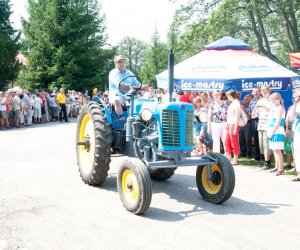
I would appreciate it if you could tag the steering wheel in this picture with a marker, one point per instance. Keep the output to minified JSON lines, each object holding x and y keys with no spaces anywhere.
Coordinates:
{"x":122,"y":83}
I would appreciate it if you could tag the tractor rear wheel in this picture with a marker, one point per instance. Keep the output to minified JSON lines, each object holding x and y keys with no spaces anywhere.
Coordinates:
{"x":93,"y":144}
{"x":134,"y":185}
{"x":161,"y":174}
{"x":221,"y":186}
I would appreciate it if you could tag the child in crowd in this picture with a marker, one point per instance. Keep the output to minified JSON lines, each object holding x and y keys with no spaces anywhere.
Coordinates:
{"x":275,"y":131}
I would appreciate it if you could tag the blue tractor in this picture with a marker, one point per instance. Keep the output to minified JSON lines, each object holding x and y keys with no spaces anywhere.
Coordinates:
{"x":155,"y":139}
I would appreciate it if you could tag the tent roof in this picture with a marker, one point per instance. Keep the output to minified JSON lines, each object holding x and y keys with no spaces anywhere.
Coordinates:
{"x":227,"y":65}
{"x":226,"y":69}
{"x":228,"y":42}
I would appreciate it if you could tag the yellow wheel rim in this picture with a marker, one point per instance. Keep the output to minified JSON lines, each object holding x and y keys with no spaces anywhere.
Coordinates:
{"x":86,"y":155}
{"x":130,"y":186}
{"x":208,"y":185}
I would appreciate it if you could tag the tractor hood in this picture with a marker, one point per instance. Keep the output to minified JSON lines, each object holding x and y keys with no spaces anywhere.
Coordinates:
{"x":157,"y":107}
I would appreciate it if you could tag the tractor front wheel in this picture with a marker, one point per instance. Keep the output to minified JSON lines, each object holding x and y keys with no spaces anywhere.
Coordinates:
{"x":134,"y":185}
{"x":219,"y":187}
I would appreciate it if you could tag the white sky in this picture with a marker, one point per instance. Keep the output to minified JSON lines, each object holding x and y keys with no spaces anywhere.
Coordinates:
{"x":133,"y":18}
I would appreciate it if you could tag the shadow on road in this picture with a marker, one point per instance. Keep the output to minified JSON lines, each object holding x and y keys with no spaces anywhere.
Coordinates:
{"x":183,"y":189}
{"x":110,"y":183}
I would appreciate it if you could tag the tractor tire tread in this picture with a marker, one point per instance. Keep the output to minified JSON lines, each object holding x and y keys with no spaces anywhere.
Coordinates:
{"x":103,"y":142}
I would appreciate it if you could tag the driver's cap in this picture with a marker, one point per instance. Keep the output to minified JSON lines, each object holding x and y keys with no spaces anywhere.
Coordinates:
{"x":119,"y":58}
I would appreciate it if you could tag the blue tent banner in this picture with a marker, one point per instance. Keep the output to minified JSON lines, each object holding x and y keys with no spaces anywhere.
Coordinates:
{"x":296,"y":83}
{"x":237,"y":84}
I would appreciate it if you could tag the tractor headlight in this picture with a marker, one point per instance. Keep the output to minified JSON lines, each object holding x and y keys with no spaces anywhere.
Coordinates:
{"x":146,"y":115}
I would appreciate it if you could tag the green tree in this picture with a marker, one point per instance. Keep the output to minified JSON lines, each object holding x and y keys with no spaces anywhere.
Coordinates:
{"x":64,"y":43}
{"x":271,"y":27}
{"x":133,"y":50}
{"x":155,"y":60}
{"x":9,"y":46}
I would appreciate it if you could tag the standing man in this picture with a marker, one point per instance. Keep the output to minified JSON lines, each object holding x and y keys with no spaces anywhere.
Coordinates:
{"x":37,"y":104}
{"x":261,"y":110}
{"x":116,"y":97}
{"x":17,"y":108}
{"x":254,"y":122}
{"x":245,"y":132}
{"x":61,"y":99}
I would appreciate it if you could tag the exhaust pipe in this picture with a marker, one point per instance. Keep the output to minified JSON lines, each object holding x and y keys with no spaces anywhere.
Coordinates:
{"x":171,"y":74}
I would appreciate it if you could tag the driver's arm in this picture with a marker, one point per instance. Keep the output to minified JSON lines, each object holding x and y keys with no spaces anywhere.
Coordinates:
{"x":136,"y":84}
{"x":114,"y":80}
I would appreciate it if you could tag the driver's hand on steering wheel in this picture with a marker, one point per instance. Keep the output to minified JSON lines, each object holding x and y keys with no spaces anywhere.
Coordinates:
{"x":125,"y":87}
{"x":136,"y":88}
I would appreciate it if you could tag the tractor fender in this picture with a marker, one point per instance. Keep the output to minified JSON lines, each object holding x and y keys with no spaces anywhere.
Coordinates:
{"x":98,"y":100}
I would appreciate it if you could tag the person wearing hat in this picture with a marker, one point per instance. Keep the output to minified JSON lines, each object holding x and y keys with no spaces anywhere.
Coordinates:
{"x":95,"y":90}
{"x":116,"y":75}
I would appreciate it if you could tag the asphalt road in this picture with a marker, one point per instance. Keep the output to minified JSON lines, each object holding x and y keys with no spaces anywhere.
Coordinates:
{"x":45,"y":205}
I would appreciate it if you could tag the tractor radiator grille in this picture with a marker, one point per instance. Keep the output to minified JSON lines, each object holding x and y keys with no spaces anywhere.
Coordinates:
{"x":189,"y":128}
{"x":170,"y":128}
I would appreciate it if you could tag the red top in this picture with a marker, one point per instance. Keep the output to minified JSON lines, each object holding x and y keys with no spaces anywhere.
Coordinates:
{"x":43,"y":98}
{"x":7,"y":104}
{"x":185,"y":98}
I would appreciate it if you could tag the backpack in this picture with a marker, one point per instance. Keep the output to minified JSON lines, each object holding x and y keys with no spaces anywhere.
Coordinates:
{"x":243,"y":118}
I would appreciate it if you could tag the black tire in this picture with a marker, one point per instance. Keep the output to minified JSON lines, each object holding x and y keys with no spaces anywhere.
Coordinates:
{"x":221,"y":189}
{"x":134,"y":185}
{"x":93,"y":163}
{"x":161,"y":174}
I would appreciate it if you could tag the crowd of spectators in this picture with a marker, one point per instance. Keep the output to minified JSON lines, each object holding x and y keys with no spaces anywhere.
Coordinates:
{"x":19,"y":108}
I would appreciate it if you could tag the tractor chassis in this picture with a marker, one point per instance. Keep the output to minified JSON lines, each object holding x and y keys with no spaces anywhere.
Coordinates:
{"x":195,"y":161}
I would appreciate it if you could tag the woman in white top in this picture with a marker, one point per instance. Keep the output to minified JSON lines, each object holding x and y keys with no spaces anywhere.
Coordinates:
{"x":217,"y":118}
{"x":233,"y":128}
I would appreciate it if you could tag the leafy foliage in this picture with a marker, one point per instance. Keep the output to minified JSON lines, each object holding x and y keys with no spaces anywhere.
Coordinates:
{"x":155,"y":60}
{"x":9,"y":38}
{"x":64,"y":43}
{"x":271,"y":27}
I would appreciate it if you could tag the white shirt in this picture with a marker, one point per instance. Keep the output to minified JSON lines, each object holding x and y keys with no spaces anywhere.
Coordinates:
{"x":2,"y":104}
{"x":231,"y":113}
{"x":115,"y":77}
{"x":37,"y":103}
{"x":17,"y":101}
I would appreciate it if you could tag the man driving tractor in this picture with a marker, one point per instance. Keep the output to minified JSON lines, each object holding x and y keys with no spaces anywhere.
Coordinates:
{"x":116,"y":97}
